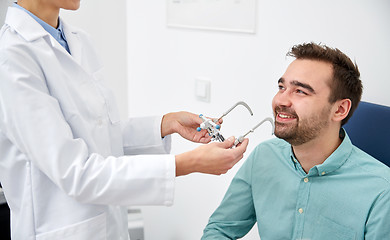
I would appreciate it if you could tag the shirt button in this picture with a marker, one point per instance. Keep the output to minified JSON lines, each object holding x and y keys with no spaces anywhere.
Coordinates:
{"x":323,"y":173}
{"x":300,"y":210}
{"x":306,"y":179}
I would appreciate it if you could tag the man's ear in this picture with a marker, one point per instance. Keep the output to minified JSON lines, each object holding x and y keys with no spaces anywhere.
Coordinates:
{"x":341,"y":109}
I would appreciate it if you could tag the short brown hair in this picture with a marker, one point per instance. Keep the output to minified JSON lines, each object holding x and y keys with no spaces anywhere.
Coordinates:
{"x":346,"y":82}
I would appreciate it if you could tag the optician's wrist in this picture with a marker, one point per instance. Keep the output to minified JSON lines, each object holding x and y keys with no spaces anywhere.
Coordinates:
{"x":185,"y":163}
{"x":167,"y":124}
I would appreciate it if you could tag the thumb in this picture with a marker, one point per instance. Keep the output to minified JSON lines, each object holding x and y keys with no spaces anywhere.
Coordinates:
{"x":228,"y":143}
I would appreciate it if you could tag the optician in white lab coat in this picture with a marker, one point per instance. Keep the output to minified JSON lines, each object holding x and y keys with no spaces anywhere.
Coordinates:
{"x":68,"y":166}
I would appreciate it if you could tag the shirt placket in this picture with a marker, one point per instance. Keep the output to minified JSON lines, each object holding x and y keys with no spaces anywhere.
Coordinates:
{"x":301,"y":207}
{"x":302,"y":203}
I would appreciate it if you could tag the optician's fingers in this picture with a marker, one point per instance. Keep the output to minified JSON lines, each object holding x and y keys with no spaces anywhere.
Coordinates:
{"x":241,"y":147}
{"x":205,"y":138}
{"x":228,"y":143}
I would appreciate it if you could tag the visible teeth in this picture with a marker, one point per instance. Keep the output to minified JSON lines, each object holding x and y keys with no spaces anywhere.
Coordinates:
{"x":284,"y":116}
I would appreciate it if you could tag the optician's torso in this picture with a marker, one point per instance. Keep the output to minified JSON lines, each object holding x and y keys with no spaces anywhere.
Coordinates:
{"x":62,"y":98}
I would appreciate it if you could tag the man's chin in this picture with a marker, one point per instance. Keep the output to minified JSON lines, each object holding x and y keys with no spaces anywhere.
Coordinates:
{"x":288,"y":137}
{"x":283,"y":131}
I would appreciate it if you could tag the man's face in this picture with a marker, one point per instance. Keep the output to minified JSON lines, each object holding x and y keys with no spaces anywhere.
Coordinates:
{"x":301,"y":107}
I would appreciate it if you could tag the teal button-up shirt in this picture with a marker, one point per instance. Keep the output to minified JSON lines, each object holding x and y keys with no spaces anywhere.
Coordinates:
{"x":346,"y":197}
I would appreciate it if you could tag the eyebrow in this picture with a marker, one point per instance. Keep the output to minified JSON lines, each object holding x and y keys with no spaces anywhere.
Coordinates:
{"x":299,"y":84}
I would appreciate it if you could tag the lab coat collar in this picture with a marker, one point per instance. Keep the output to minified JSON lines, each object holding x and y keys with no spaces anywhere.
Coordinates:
{"x":24,"y":24}
{"x":31,"y":30}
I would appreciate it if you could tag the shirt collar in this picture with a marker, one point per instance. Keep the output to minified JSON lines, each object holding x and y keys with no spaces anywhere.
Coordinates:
{"x":333,"y":162}
{"x":60,"y":28}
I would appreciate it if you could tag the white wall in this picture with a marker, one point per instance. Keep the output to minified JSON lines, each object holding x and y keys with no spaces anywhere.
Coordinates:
{"x":3,"y":9}
{"x":163,"y":63}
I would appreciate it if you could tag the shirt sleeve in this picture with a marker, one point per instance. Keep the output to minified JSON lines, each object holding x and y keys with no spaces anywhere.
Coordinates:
{"x":378,"y":223}
{"x":235,"y":216}
{"x":143,"y":136}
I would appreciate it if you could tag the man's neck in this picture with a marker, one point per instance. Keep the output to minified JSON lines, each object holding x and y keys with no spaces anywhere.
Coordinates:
{"x":316,"y":151}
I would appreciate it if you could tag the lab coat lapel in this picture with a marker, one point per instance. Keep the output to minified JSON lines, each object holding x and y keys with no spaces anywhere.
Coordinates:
{"x":74,"y":43}
{"x":78,"y":46}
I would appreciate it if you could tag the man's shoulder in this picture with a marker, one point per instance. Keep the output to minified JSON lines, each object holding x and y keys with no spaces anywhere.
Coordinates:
{"x":369,"y":166}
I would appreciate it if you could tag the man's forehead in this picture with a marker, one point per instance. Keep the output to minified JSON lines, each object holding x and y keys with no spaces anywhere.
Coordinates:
{"x":310,"y":72}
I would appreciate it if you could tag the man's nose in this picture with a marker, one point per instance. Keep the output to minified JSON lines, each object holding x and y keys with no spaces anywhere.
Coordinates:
{"x":283,"y":99}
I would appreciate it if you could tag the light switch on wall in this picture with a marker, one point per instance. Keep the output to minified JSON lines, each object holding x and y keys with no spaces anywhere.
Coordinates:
{"x":202,"y":90}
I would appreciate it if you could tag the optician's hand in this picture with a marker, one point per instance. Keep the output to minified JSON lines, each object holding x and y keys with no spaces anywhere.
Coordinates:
{"x":185,"y":124}
{"x":214,"y":158}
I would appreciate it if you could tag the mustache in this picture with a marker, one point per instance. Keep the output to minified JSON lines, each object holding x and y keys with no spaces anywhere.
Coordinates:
{"x":286,"y":110}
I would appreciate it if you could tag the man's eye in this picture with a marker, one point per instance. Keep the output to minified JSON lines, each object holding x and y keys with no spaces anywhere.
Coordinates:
{"x":280,"y":87}
{"x":301,"y":92}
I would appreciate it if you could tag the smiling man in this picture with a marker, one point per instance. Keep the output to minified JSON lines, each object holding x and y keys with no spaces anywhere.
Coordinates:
{"x":310,"y":182}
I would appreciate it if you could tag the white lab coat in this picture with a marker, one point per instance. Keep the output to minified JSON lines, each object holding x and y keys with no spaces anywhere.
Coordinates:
{"x":62,"y":144}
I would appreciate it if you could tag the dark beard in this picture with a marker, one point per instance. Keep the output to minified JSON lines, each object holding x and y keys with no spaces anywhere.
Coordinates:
{"x":304,"y":130}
